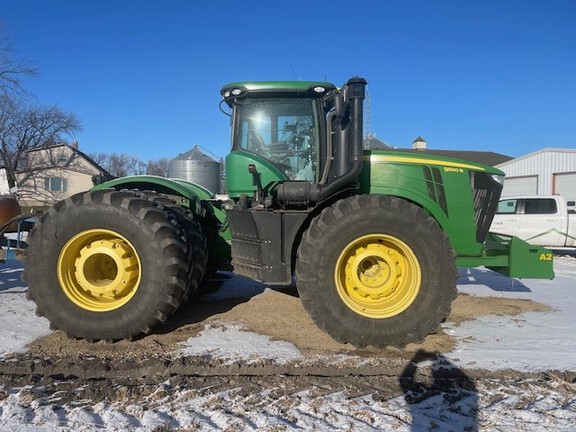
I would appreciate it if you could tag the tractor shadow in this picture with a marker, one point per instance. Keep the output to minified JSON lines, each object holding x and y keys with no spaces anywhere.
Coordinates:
{"x":493,"y":280}
{"x":216,"y":297}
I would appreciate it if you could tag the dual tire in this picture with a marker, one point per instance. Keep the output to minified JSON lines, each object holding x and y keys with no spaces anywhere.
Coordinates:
{"x":112,"y":264}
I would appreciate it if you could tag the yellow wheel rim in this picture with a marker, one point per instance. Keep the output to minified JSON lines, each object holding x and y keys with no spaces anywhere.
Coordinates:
{"x":99,"y":270}
{"x":378,"y":276}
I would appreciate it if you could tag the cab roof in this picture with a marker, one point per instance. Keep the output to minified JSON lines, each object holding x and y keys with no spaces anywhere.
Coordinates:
{"x":297,"y":88}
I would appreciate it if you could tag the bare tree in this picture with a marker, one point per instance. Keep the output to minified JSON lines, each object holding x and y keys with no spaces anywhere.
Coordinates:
{"x":24,"y":129}
{"x":13,"y":70}
{"x":136,"y":166}
{"x":158,"y":167}
{"x":119,"y":164}
{"x":100,"y":158}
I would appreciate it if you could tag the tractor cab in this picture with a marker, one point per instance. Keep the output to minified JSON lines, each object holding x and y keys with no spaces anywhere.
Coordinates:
{"x":284,"y":140}
{"x":283,"y":132}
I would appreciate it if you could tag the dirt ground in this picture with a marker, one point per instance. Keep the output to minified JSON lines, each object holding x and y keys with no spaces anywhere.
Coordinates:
{"x":275,"y":313}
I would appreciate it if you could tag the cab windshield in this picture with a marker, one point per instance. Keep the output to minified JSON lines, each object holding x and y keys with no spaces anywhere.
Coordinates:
{"x":284,"y":131}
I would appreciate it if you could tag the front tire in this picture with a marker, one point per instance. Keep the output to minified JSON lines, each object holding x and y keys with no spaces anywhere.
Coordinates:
{"x":107,"y":265}
{"x":385,"y":276}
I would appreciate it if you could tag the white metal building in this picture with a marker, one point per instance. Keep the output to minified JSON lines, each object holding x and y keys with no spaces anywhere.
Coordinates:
{"x":544,"y":172}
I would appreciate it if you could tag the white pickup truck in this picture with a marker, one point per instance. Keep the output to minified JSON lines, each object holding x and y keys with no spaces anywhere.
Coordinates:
{"x":541,"y":220}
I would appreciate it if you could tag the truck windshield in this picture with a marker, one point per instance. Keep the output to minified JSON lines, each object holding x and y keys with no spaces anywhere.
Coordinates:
{"x":282,"y":130}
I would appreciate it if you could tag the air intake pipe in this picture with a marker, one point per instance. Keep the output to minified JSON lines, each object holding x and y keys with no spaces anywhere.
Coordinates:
{"x":350,"y":153}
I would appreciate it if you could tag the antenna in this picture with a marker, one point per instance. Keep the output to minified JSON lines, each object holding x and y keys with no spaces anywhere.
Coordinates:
{"x":367,"y":115}
{"x":292,"y":69}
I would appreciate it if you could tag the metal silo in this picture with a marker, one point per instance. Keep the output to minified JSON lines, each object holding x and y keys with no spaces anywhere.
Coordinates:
{"x":196,"y":167}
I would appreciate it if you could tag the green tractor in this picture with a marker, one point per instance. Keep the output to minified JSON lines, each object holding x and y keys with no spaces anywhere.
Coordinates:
{"x":372,"y":238}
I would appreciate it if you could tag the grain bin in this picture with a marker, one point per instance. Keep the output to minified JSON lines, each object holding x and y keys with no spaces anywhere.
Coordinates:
{"x":196,"y":167}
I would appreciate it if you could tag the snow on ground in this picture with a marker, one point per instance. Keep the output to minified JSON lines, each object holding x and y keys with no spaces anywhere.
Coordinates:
{"x":18,"y":323}
{"x":492,"y":406}
{"x":530,"y":342}
{"x":232,"y":343}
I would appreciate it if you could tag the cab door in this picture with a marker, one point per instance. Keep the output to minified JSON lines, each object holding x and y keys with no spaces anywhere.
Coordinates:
{"x":541,"y":224}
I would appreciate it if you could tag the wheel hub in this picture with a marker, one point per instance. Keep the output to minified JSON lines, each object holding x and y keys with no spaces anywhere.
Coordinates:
{"x":371,"y":271}
{"x":377,"y":276}
{"x":106,"y":268}
{"x":99,"y":270}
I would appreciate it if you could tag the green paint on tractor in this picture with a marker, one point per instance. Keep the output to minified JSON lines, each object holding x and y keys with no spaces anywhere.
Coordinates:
{"x":373,"y":239}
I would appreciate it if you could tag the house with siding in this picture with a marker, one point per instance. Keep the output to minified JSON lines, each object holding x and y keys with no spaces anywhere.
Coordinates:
{"x":54,"y":173}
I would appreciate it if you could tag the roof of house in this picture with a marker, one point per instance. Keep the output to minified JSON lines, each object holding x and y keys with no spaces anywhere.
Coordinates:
{"x":77,"y":152}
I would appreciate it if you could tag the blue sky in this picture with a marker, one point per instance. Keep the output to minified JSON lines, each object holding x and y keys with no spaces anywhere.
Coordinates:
{"x":144,"y":76}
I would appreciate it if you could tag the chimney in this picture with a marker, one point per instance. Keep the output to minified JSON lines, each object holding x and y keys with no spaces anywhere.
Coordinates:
{"x":75,"y":144}
{"x":419,"y":144}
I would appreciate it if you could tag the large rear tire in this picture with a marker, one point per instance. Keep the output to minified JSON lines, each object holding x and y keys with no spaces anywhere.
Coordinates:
{"x":385,"y":276}
{"x":107,"y":265}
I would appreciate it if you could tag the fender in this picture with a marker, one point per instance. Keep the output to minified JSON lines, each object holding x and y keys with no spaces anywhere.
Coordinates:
{"x":193,"y":193}
{"x":199,"y":199}
{"x":170,"y":186}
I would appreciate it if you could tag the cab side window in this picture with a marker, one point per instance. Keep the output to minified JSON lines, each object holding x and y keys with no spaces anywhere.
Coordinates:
{"x":540,"y":206}
{"x":507,"y":206}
